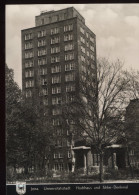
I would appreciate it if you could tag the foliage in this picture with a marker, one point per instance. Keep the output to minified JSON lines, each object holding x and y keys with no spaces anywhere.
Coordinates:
{"x":98,"y":111}
{"x":28,"y":134}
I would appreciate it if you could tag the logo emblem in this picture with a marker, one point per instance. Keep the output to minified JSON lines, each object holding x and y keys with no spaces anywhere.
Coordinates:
{"x":21,"y":187}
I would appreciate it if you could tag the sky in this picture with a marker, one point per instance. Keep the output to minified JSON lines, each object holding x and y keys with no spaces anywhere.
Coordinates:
{"x":116,"y":27}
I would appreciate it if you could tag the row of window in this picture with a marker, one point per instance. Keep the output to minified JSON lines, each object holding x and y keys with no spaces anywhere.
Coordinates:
{"x":58,"y":167}
{"x":43,"y":92}
{"x":55,"y":30}
{"x":55,"y":79}
{"x":87,"y":35}
{"x":60,"y":155}
{"x":54,"y":59}
{"x":41,"y":52}
{"x":58,"y":122}
{"x":87,"y":43}
{"x":53,"y":40}
{"x":54,"y":69}
{"x":87,"y":52}
{"x":58,"y":100}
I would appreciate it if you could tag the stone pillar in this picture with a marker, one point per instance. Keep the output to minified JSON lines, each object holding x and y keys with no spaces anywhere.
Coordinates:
{"x":84,"y":162}
{"x":73,"y":160}
{"x":114,"y":164}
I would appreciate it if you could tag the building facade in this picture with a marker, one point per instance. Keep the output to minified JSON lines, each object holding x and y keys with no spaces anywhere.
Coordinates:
{"x":132,"y":127}
{"x":55,"y":54}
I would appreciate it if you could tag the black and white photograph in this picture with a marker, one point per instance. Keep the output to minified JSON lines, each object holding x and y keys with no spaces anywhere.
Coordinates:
{"x":72,"y":97}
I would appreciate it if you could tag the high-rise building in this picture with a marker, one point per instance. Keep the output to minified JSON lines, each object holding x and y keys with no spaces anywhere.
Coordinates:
{"x":55,"y":54}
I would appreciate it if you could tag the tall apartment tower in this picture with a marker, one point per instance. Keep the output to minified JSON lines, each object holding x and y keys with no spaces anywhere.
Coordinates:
{"x":55,"y":54}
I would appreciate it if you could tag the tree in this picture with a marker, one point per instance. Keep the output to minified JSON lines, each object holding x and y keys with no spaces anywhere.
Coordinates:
{"x":13,"y":97}
{"x":98,"y":111}
{"x":28,"y":132}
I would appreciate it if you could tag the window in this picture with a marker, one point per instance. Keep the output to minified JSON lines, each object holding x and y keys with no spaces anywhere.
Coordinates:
{"x":56,"y":100}
{"x":92,"y":39}
{"x":29,"y":55}
{"x":28,"y":93}
{"x":56,"y":111}
{"x":92,"y":57}
{"x":92,"y":48}
{"x":68,"y":132}
{"x":82,"y":30}
{"x":56,"y":155}
{"x":56,"y":122}
{"x":61,"y":154}
{"x":42,"y":21}
{"x":96,"y":159}
{"x":29,"y":45}
{"x":29,"y":83}
{"x":69,"y":46}
{"x":29,"y":64}
{"x":56,"y":166}
{"x":28,"y":36}
{"x":42,"y":71}
{"x":42,"y":52}
{"x":42,"y":61}
{"x":82,"y":58}
{"x":55,"y":40}
{"x":56,"y":79}
{"x":56,"y":90}
{"x":68,"y":142}
{"x":82,"y":40}
{"x":70,"y":87}
{"x":41,"y":33}
{"x":83,"y":49}
{"x":29,"y":73}
{"x":93,"y":66}
{"x":87,"y":53}
{"x":59,"y":132}
{"x":43,"y":92}
{"x":83,"y":78}
{"x":56,"y":69}
{"x":88,"y":62}
{"x":69,"y":56}
{"x":59,"y":143}
{"x":87,"y":35}
{"x":131,"y":152}
{"x":68,"y":37}
{"x":70,"y":77}
{"x":70,"y":66}
{"x":55,"y":50}
{"x":45,"y":102}
{"x":83,"y":68}
{"x":41,"y":43}
{"x":70,"y":98}
{"x":43,"y":81}
{"x":54,"y":31}
{"x":87,"y":44}
{"x":55,"y":59}
{"x":68,"y":27}
{"x":69,"y":154}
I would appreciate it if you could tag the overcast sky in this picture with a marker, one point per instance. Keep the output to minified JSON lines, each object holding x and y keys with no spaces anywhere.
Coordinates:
{"x":116,"y":27}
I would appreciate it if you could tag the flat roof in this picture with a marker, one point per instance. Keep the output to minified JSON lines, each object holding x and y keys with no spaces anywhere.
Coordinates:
{"x":81,"y":147}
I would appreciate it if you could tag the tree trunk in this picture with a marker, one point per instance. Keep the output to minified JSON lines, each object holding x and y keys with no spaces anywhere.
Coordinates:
{"x":101,"y":175}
